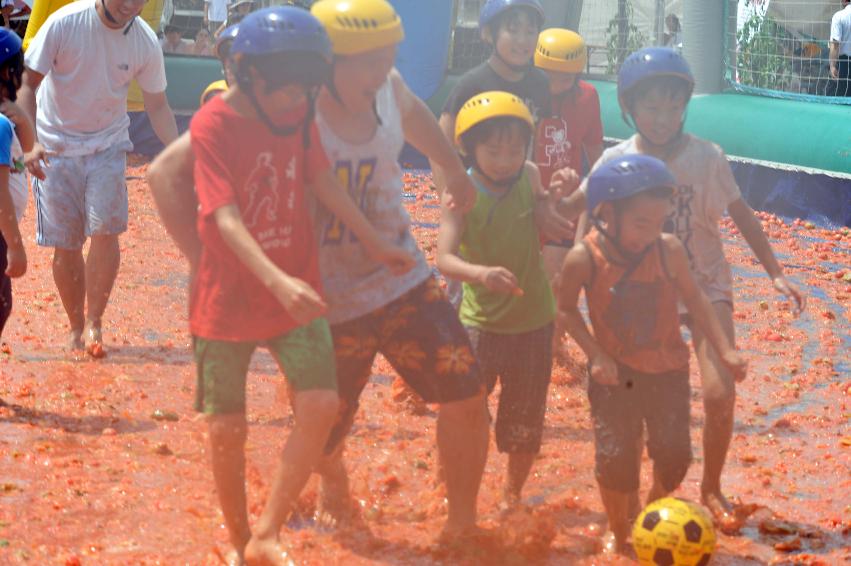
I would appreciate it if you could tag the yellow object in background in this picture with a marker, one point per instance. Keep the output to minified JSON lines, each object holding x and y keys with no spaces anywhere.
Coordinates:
{"x":41,"y":10}
{"x":151,"y":13}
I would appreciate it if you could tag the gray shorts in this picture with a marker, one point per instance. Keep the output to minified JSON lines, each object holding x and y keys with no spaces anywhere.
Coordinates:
{"x":82,"y":196}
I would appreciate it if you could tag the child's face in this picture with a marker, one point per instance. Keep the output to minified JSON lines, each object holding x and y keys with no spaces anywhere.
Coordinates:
{"x":502,"y":155}
{"x":280,"y":101}
{"x":202,"y":37}
{"x":358,"y":77}
{"x":560,"y":82}
{"x":659,"y":115}
{"x":516,"y":38}
{"x":640,"y":223}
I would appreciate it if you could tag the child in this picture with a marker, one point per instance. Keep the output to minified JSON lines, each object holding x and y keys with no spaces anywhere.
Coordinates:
{"x":633,"y":275}
{"x":507,"y":307}
{"x":13,"y":191}
{"x":654,"y":88}
{"x":364,"y":116}
{"x":571,"y":137}
{"x":257,"y":275}
{"x":223,"y":43}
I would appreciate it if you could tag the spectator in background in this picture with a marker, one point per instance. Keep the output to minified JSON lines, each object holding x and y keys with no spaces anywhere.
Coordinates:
{"x":674,"y":35}
{"x":202,"y":47}
{"x":173,"y":42}
{"x":840,"y":52}
{"x":6,"y":9}
{"x":237,"y":10}
{"x":215,"y":14}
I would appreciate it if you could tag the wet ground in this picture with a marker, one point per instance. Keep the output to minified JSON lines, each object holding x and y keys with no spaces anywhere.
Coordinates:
{"x":104,"y":462}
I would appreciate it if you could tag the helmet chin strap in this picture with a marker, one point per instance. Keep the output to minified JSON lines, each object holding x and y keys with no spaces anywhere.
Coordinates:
{"x":111,"y":19}
{"x":659,"y":149}
{"x":332,"y":88}
{"x":285,"y":131}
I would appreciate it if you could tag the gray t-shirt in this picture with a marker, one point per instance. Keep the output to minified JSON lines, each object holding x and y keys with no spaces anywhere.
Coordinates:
{"x":705,"y":187}
{"x":354,"y":284}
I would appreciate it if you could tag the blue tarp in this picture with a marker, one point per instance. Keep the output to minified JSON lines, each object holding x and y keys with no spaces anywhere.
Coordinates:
{"x":422,"y":57}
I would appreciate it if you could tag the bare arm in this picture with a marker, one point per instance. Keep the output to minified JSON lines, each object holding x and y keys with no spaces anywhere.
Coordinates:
{"x":170,"y":177}
{"x":27,"y":101}
{"x":834,"y":58}
{"x":700,"y":308}
{"x":160,"y":115}
{"x":751,"y":230}
{"x":23,"y":125}
{"x":574,"y":276}
{"x":446,"y":123}
{"x":337,"y":200}
{"x":15,"y":254}
{"x":593,"y":152}
{"x":425,"y":134}
{"x":300,"y":299}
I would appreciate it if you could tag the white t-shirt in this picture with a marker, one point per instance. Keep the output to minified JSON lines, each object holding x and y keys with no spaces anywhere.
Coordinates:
{"x":840,"y":30}
{"x":217,"y":10}
{"x":705,"y":187}
{"x":82,"y":101}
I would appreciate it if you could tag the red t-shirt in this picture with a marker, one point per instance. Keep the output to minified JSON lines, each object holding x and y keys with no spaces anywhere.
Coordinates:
{"x":575,"y":123}
{"x":239,"y":161}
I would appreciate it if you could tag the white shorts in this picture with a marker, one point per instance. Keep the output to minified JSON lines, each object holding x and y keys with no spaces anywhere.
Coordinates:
{"x":82,"y":196}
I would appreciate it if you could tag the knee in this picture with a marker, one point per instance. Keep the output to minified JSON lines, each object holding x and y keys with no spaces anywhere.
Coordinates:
{"x":468,"y":412}
{"x":671,"y":466}
{"x":317,"y":408}
{"x":227,"y":430}
{"x":719,"y":400}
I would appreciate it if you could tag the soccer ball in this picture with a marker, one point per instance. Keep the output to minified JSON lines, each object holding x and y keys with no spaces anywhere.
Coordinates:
{"x":673,"y":532}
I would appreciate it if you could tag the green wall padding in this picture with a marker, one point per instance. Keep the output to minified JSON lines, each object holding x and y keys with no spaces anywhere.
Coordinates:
{"x":187,"y":78}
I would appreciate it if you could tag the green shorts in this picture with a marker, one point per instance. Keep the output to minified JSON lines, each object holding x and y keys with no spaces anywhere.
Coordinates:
{"x":305,"y":355}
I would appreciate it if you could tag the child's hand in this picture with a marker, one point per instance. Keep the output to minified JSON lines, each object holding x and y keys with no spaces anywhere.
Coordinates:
{"x":396,"y":258}
{"x":798,"y":300}
{"x":460,"y":193}
{"x":737,"y":365}
{"x":564,"y":182}
{"x":16,"y":260}
{"x":498,"y":280}
{"x":302,"y":302}
{"x":604,"y":370}
{"x":33,"y":160}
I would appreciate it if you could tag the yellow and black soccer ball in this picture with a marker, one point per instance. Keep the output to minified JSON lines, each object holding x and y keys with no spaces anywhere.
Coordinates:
{"x":673,"y":532}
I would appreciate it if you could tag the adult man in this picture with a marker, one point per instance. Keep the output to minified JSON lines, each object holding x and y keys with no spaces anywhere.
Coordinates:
{"x":173,"y":42}
{"x":215,"y":14}
{"x":840,"y":51}
{"x":83,"y":59}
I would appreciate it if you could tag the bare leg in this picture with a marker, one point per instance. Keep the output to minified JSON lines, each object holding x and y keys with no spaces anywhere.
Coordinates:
{"x":335,"y":497}
{"x":227,"y":445}
{"x":719,"y":401}
{"x":519,"y":466}
{"x":462,"y":439}
{"x":101,"y":272}
{"x":617,"y":512}
{"x":69,"y":274}
{"x":315,"y":413}
{"x":553,"y":258}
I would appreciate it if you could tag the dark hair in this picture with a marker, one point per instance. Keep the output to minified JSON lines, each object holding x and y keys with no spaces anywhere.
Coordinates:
{"x":668,"y":85}
{"x":281,"y":69}
{"x":172,"y":29}
{"x":659,"y":193}
{"x":498,"y":126}
{"x":14,"y":70}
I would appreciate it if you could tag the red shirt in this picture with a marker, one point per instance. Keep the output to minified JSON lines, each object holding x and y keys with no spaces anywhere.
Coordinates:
{"x":575,"y":123}
{"x":239,"y":161}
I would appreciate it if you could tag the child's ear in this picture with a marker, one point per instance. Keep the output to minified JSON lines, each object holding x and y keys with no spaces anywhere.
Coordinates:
{"x":487,"y":34}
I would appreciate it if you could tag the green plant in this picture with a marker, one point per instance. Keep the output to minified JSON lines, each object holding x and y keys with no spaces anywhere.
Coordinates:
{"x":622,"y":37}
{"x":761,"y":60}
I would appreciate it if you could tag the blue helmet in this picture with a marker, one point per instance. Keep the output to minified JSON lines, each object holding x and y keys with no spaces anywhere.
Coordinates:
{"x":494,"y":8}
{"x":224,"y":41}
{"x":652,"y":62}
{"x":10,"y":44}
{"x":281,"y":29}
{"x":626,"y":176}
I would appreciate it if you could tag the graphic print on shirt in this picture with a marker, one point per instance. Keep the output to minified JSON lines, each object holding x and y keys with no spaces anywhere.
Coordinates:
{"x":632,"y":314}
{"x":261,"y":214}
{"x":679,"y":221}
{"x":556,"y":144}
{"x":355,"y":179}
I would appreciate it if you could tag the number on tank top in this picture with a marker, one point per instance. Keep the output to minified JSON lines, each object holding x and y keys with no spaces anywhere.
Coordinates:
{"x":356,"y":185}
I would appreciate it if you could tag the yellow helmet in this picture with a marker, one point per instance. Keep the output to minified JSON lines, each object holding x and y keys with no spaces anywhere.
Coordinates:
{"x":561,"y":50}
{"x":487,"y":105}
{"x":357,"y":26}
{"x":213,"y":88}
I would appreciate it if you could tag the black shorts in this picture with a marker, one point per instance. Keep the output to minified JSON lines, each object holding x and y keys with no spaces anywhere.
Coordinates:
{"x":661,"y":402}
{"x":523,"y":363}
{"x":421,"y":337}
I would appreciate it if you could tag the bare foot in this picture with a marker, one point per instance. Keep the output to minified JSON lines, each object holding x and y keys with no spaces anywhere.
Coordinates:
{"x":612,"y":547}
{"x":234,"y":558}
{"x":266,"y":552}
{"x":75,"y":341}
{"x":94,"y":341}
{"x":510,"y":501}
{"x":723,"y":512}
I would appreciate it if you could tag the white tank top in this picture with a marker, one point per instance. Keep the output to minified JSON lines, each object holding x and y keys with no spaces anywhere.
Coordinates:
{"x":354,"y":284}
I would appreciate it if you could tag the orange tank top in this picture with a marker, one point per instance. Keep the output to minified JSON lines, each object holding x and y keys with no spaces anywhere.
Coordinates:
{"x":633,"y":309}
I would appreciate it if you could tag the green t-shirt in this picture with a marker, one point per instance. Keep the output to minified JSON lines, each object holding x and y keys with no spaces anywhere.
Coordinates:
{"x":500,"y":231}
